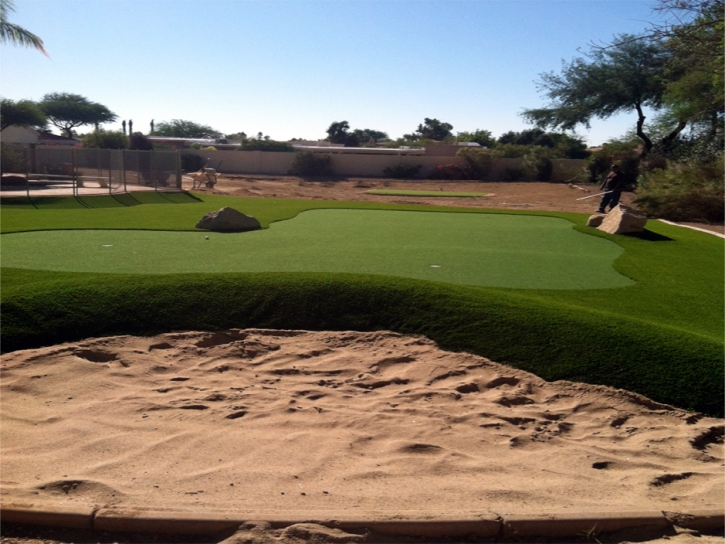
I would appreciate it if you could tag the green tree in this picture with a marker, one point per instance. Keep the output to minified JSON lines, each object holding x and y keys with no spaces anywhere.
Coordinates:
{"x":14,"y":33}
{"x":338,"y":133}
{"x":626,"y":76}
{"x":368,"y":135}
{"x":433,"y":129}
{"x":25,"y":113}
{"x":178,"y":128}
{"x":67,"y":111}
{"x":481,"y":137}
{"x":105,"y":139}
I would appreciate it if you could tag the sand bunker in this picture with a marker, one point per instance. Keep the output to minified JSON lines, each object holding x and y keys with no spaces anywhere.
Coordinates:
{"x":296,"y":421}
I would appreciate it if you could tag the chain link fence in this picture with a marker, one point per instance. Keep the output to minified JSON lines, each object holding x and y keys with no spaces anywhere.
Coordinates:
{"x":78,"y":171}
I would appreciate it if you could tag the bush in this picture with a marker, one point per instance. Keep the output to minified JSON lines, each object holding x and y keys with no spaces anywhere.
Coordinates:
{"x":265,"y":145}
{"x":512,"y":174}
{"x":307,"y":163}
{"x":478,"y":162}
{"x":684,"y":192}
{"x":105,"y":139}
{"x":191,"y":162}
{"x":140,"y":142}
{"x":448,"y":171}
{"x":13,"y":160}
{"x":402,"y":171}
{"x":537,"y":163}
{"x":510,"y":151}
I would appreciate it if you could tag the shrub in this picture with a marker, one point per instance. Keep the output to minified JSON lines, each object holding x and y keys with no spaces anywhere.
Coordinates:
{"x":510,"y":151}
{"x":13,"y":160}
{"x":265,"y":145}
{"x":105,"y":139}
{"x":684,"y":192}
{"x":191,"y":162}
{"x":307,"y":163}
{"x":478,"y":162}
{"x":448,"y":171}
{"x":402,"y":171}
{"x":537,"y":163}
{"x":140,"y":142}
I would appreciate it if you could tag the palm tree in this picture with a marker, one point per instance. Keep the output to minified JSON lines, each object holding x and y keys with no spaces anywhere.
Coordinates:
{"x":14,"y":33}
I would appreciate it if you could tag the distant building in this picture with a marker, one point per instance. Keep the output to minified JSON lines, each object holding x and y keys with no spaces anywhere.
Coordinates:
{"x":15,"y":134}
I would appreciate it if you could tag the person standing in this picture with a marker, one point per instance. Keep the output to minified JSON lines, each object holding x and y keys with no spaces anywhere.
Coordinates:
{"x":613,"y":185}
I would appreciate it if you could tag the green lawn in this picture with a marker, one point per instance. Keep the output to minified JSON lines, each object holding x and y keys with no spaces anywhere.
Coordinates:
{"x":659,"y":331}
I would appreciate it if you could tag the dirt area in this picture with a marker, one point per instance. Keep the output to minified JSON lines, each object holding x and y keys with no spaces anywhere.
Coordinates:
{"x":556,"y":197}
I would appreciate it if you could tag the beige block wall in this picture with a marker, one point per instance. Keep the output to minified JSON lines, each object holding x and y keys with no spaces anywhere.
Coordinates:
{"x":352,"y":165}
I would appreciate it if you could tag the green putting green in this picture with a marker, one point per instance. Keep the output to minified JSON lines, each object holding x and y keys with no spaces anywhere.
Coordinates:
{"x":400,"y":192}
{"x":524,"y":252}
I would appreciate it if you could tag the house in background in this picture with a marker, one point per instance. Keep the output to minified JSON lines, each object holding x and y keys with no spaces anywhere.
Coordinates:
{"x":15,"y":134}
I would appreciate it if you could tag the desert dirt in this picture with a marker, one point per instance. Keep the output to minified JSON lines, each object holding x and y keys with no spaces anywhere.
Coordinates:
{"x":556,"y":197}
{"x":335,"y":425}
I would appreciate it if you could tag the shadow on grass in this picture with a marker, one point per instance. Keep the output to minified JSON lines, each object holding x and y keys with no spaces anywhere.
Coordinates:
{"x":122,"y":200}
{"x":649,"y":236}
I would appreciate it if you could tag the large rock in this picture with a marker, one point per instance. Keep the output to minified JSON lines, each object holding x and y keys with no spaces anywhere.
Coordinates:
{"x":595,"y":220}
{"x":228,"y":220}
{"x":623,"y":220}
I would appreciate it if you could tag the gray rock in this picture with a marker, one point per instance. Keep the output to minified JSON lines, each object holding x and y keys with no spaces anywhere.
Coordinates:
{"x":623,"y":220}
{"x":228,"y":220}
{"x":595,"y":220}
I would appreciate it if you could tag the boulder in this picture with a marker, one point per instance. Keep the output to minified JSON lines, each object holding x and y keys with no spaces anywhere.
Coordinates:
{"x":228,"y":220}
{"x":623,"y":220}
{"x":595,"y":220}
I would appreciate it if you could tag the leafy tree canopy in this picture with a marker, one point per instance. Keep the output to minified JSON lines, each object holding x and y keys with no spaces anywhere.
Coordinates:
{"x":178,"y":128}
{"x":368,"y":135}
{"x":628,"y":75}
{"x":67,"y":111}
{"x":25,"y":113}
{"x":105,"y":139}
{"x":338,"y":133}
{"x":140,"y":142}
{"x":14,"y":33}
{"x":481,"y":137}
{"x":433,"y":129}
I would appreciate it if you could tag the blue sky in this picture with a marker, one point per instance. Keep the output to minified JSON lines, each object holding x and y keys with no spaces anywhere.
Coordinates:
{"x":289,"y":68}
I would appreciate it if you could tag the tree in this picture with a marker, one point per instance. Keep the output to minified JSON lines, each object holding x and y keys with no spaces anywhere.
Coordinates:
{"x":368,"y":135}
{"x":67,"y":111}
{"x":105,"y":139}
{"x":629,"y":75}
{"x":25,"y":113}
{"x":139,"y":142}
{"x":337,"y":133}
{"x":481,"y":137}
{"x":178,"y":128}
{"x":433,"y":129}
{"x":14,"y":33}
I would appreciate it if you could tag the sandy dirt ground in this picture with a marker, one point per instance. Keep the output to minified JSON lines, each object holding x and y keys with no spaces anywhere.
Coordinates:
{"x":340,"y":424}
{"x":559,"y":197}
{"x":372,"y":425}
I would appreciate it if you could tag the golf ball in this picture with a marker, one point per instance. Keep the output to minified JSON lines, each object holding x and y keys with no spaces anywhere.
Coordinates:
{"x":206,"y":237}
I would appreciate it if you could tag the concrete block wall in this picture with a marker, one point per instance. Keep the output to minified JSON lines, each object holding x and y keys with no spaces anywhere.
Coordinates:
{"x":354,"y":165}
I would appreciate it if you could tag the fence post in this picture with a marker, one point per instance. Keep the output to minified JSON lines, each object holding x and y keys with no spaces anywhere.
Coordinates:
{"x":74,"y":162}
{"x":123,"y":169}
{"x":110,"y":172}
{"x":178,"y":169}
{"x":27,"y":170}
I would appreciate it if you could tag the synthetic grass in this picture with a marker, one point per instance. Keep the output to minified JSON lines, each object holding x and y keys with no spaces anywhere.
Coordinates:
{"x":401,"y":192}
{"x":467,"y":249}
{"x":662,"y":337}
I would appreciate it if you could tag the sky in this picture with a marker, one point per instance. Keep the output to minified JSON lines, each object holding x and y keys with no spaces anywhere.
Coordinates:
{"x":289,"y":68}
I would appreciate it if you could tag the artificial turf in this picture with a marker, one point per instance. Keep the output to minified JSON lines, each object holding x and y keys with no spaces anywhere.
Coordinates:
{"x":662,"y":336}
{"x":467,"y":249}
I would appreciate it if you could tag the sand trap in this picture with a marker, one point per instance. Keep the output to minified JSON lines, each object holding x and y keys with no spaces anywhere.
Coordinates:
{"x":270,"y":421}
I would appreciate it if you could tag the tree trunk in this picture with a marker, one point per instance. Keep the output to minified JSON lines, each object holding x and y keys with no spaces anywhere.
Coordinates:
{"x":640,"y":133}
